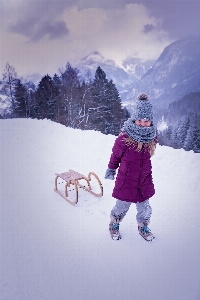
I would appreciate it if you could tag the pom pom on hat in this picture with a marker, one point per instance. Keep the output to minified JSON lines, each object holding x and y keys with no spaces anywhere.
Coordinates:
{"x":143,"y":108}
{"x":143,"y":96}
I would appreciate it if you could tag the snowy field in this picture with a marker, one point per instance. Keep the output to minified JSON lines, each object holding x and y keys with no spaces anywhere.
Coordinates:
{"x":51,"y":250}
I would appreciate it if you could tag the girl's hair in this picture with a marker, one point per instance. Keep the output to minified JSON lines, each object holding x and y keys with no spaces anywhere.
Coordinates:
{"x":130,"y":142}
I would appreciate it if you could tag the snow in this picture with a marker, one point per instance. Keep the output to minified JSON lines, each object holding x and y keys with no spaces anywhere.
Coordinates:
{"x":173,"y":85}
{"x":158,"y":92}
{"x":4,"y":104}
{"x":162,"y":125}
{"x":53,"y":250}
{"x":96,"y":57}
{"x":3,"y":98}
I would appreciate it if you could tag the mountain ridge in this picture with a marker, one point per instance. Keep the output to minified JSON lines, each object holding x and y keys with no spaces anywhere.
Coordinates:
{"x":123,"y":76}
{"x":174,"y":74}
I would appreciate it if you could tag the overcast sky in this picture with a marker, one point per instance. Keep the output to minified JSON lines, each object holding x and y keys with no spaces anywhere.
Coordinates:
{"x":41,"y":36}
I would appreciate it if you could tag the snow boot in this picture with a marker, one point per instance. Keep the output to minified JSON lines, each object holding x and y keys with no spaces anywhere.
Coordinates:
{"x":145,"y":232}
{"x":114,"y":228}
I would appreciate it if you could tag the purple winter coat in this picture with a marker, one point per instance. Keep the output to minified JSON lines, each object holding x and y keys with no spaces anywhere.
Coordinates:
{"x":134,"y":181}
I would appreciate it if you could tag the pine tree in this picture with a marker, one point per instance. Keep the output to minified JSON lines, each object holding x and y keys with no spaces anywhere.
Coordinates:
{"x":100,"y":102}
{"x":70,"y":90}
{"x":59,"y":115}
{"x":196,"y":146}
{"x":32,"y":113}
{"x":85,"y":106}
{"x":191,"y":133}
{"x":118,"y":113}
{"x":10,"y":77}
{"x":165,"y":136}
{"x":45,"y":98}
{"x":126,"y":113}
{"x":107,"y":115}
{"x":20,"y":100}
{"x":196,"y":140}
{"x":183,"y":127}
{"x":174,"y":140}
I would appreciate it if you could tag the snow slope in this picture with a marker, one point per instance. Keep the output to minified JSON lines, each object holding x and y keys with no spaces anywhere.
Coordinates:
{"x":51,"y":250}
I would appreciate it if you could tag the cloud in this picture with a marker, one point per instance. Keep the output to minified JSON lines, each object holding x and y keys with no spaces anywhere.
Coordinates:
{"x":37,"y":29}
{"x":36,"y":19}
{"x":179,"y":18}
{"x":116,"y":33}
{"x":62,"y":31}
{"x":148,"y":28}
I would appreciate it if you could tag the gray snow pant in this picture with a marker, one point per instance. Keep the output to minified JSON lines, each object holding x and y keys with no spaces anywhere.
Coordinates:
{"x":144,"y":210}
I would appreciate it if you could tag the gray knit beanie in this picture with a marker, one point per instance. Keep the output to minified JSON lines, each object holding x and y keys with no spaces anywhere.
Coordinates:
{"x":143,"y":108}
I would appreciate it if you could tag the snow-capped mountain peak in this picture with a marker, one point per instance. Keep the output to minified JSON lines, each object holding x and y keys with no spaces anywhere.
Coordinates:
{"x":96,"y":58}
{"x":123,"y":76}
{"x":94,"y":55}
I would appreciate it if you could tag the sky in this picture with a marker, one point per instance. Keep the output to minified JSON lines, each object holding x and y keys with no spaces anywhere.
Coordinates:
{"x":42,"y":36}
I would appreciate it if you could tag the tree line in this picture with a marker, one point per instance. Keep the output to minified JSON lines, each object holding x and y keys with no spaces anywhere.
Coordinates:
{"x":184,"y":134}
{"x":184,"y":123}
{"x":68,"y":100}
{"x":189,"y":103}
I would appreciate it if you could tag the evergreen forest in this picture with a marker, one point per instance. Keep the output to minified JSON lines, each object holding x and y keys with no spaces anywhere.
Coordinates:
{"x":183,"y":119}
{"x":94,"y":105}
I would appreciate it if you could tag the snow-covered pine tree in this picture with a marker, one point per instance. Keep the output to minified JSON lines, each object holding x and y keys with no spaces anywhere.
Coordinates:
{"x":32,"y":113}
{"x":126,"y":113}
{"x":117,"y":114}
{"x":99,"y":101}
{"x":167,"y":135}
{"x":85,"y":106}
{"x":70,"y":90}
{"x":196,"y":142}
{"x":59,"y":113}
{"x":191,"y":133}
{"x":20,"y":100}
{"x":9,"y":78}
{"x":196,"y":146}
{"x":183,"y":127}
{"x":107,"y":114}
{"x":174,"y":140}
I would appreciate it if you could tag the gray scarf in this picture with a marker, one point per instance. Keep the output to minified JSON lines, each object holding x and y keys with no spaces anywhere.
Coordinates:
{"x":138,"y":133}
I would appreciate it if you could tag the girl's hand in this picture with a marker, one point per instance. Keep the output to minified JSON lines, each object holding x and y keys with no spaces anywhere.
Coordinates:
{"x":110,"y":174}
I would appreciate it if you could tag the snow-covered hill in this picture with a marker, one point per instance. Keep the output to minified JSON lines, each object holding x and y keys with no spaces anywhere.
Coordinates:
{"x":53,"y":250}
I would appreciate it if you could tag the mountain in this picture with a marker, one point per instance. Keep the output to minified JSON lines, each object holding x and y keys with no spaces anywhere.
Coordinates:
{"x":33,"y":78}
{"x":188,"y":104}
{"x":136,"y":67}
{"x":123,"y":77}
{"x":175,"y":73}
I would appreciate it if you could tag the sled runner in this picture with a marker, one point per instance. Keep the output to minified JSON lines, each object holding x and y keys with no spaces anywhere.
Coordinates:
{"x":72,"y":178}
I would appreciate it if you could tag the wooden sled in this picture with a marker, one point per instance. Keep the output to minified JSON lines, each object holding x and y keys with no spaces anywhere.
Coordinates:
{"x":72,"y":178}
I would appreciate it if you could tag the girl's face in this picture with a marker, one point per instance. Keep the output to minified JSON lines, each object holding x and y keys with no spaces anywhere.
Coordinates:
{"x":143,"y":123}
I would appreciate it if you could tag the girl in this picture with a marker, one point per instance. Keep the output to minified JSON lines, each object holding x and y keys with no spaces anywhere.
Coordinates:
{"x":131,"y":153}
